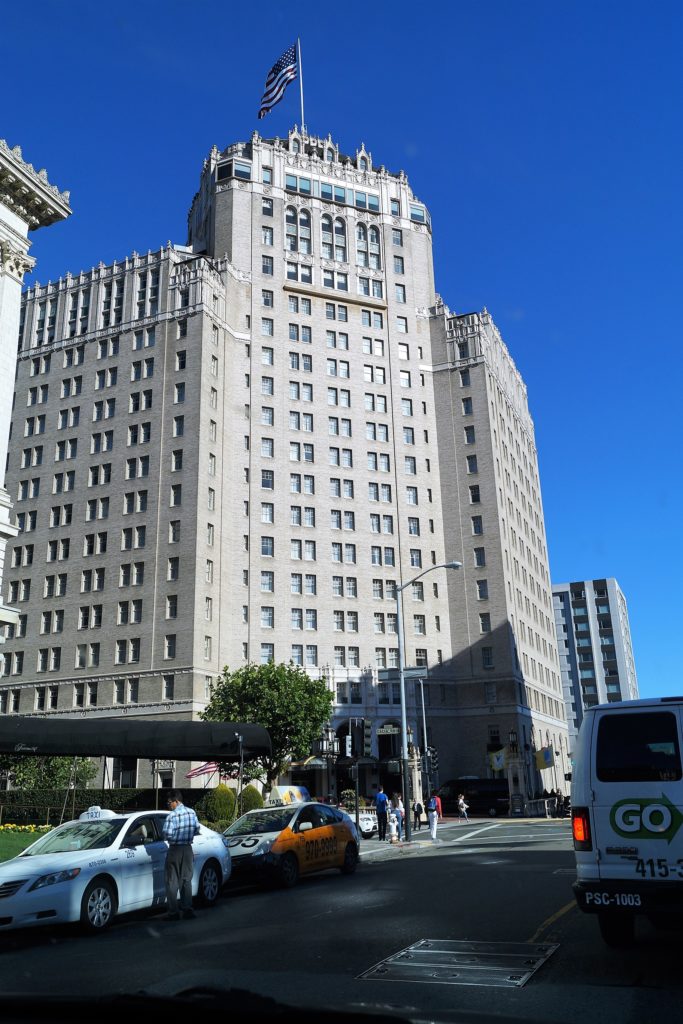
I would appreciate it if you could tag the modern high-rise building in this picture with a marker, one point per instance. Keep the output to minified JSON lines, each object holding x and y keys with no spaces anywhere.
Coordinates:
{"x":237,"y":449}
{"x":594,"y":640}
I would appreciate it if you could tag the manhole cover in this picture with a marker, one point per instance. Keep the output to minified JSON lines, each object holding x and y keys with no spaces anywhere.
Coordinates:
{"x":452,"y":962}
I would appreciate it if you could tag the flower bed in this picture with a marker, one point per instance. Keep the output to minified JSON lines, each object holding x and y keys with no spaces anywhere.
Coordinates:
{"x":31,"y":829}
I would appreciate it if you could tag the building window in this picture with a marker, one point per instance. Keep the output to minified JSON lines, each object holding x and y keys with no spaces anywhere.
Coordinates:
{"x":267,"y":654}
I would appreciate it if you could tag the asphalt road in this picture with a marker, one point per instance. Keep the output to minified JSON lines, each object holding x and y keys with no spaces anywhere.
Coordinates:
{"x":494,"y":882}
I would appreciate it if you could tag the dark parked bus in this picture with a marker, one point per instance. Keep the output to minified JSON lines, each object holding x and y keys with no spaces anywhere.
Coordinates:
{"x":489,"y":797}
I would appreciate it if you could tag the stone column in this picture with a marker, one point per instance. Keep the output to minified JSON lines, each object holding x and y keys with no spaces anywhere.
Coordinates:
{"x":27,"y":201}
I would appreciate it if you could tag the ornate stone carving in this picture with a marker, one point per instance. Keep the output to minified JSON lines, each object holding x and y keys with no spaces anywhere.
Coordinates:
{"x":15,"y":261}
{"x":16,"y":155}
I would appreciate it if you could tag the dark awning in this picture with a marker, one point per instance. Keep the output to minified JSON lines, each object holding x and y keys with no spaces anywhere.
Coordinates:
{"x":123,"y":737}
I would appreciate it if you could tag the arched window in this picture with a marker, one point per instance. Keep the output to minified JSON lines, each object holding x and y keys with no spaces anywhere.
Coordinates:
{"x":361,"y":245}
{"x":363,"y":164}
{"x":375,"y":254}
{"x":296,"y":148}
{"x":329,"y":156}
{"x":326,"y":226}
{"x":291,"y":237}
{"x":305,"y":232}
{"x":340,"y":240}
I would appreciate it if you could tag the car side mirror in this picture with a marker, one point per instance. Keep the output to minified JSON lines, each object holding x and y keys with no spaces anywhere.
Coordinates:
{"x":305,"y":826}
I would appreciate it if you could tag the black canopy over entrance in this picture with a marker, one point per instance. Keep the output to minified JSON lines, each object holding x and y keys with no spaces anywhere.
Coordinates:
{"x":123,"y":737}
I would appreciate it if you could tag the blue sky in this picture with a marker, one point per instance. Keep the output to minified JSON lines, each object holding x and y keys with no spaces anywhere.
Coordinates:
{"x":545,"y":139}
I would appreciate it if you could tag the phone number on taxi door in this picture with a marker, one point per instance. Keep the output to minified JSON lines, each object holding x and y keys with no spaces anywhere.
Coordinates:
{"x":316,"y":848}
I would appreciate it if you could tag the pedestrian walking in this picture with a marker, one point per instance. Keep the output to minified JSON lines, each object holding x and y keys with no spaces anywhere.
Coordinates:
{"x":434,"y":813}
{"x":180,"y":828}
{"x":398,"y":810}
{"x":382,"y":808}
{"x":462,"y":807}
{"x":417,"y":815}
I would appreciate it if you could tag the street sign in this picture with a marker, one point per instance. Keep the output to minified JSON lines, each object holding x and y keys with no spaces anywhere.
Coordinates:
{"x":391,"y":675}
{"x":388,"y":730}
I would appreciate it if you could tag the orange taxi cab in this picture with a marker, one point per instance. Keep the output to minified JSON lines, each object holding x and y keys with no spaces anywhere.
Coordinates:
{"x":284,"y":842}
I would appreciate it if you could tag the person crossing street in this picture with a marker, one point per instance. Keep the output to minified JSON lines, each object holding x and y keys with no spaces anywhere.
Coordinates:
{"x":434,"y":813}
{"x":382,"y":808}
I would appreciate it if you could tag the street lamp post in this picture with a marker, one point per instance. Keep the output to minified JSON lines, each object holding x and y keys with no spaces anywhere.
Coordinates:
{"x":402,"y":685}
{"x":240,"y":777}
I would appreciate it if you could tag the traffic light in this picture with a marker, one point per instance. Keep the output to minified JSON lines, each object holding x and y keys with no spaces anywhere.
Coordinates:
{"x":367,"y":737}
{"x":348,"y":746}
{"x":434,"y":754}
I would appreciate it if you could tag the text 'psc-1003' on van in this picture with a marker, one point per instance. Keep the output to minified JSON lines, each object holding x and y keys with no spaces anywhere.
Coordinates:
{"x":627,"y":814}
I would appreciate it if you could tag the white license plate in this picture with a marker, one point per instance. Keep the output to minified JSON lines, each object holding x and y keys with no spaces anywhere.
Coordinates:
{"x":612,"y":899}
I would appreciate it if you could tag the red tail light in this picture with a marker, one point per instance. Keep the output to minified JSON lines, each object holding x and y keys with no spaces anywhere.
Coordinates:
{"x":581,"y":829}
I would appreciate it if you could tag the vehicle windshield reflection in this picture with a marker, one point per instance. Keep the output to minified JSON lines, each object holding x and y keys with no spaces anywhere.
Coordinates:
{"x":260,"y":822}
{"x":79,"y":835}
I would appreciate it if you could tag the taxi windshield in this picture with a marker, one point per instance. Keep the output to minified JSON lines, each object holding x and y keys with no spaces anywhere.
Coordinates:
{"x":260,"y":822}
{"x":77,"y":835}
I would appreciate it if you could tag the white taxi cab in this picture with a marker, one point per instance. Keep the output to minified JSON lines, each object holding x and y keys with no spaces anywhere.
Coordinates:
{"x":627,"y":813}
{"x":284,"y":842}
{"x":101,"y":865}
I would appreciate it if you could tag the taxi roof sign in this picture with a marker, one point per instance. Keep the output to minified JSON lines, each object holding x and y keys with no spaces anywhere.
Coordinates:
{"x":96,"y":813}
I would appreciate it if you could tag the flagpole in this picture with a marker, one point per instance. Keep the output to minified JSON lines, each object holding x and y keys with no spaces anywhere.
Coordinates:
{"x":301,"y":86}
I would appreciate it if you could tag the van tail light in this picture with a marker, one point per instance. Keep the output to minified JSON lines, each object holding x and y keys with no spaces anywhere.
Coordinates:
{"x":581,"y":829}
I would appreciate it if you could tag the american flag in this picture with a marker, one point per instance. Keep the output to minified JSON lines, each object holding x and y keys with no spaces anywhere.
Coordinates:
{"x":204,"y":769}
{"x":280,"y":75}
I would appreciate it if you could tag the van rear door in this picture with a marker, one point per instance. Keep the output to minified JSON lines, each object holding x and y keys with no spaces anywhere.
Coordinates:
{"x":638,"y":806}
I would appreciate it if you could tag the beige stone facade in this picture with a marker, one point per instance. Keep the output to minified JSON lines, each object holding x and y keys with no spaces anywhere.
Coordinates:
{"x":248,"y":442}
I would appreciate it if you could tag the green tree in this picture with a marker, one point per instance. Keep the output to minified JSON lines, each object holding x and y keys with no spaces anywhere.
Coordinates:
{"x":283,"y":699}
{"x":47,"y":772}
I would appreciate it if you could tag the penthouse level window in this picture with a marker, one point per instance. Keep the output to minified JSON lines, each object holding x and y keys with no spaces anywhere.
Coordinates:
{"x":234,"y":169}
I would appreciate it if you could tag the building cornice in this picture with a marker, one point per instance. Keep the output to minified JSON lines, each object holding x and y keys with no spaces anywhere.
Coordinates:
{"x":27,"y":192}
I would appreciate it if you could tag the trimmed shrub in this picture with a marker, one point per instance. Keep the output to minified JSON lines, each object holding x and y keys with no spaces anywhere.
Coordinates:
{"x":251,"y":799}
{"x":217,"y":826}
{"x":217,"y":804}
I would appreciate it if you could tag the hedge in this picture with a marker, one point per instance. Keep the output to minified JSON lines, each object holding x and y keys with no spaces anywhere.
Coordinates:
{"x":42,"y":805}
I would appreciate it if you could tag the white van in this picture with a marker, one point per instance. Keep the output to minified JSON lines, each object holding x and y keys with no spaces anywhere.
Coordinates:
{"x":627,"y":813}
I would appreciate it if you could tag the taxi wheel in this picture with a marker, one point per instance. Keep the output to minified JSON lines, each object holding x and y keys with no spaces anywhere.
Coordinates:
{"x":289,"y":870}
{"x":350,"y":859}
{"x":99,"y":905}
{"x":617,"y":930}
{"x":209,"y":884}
